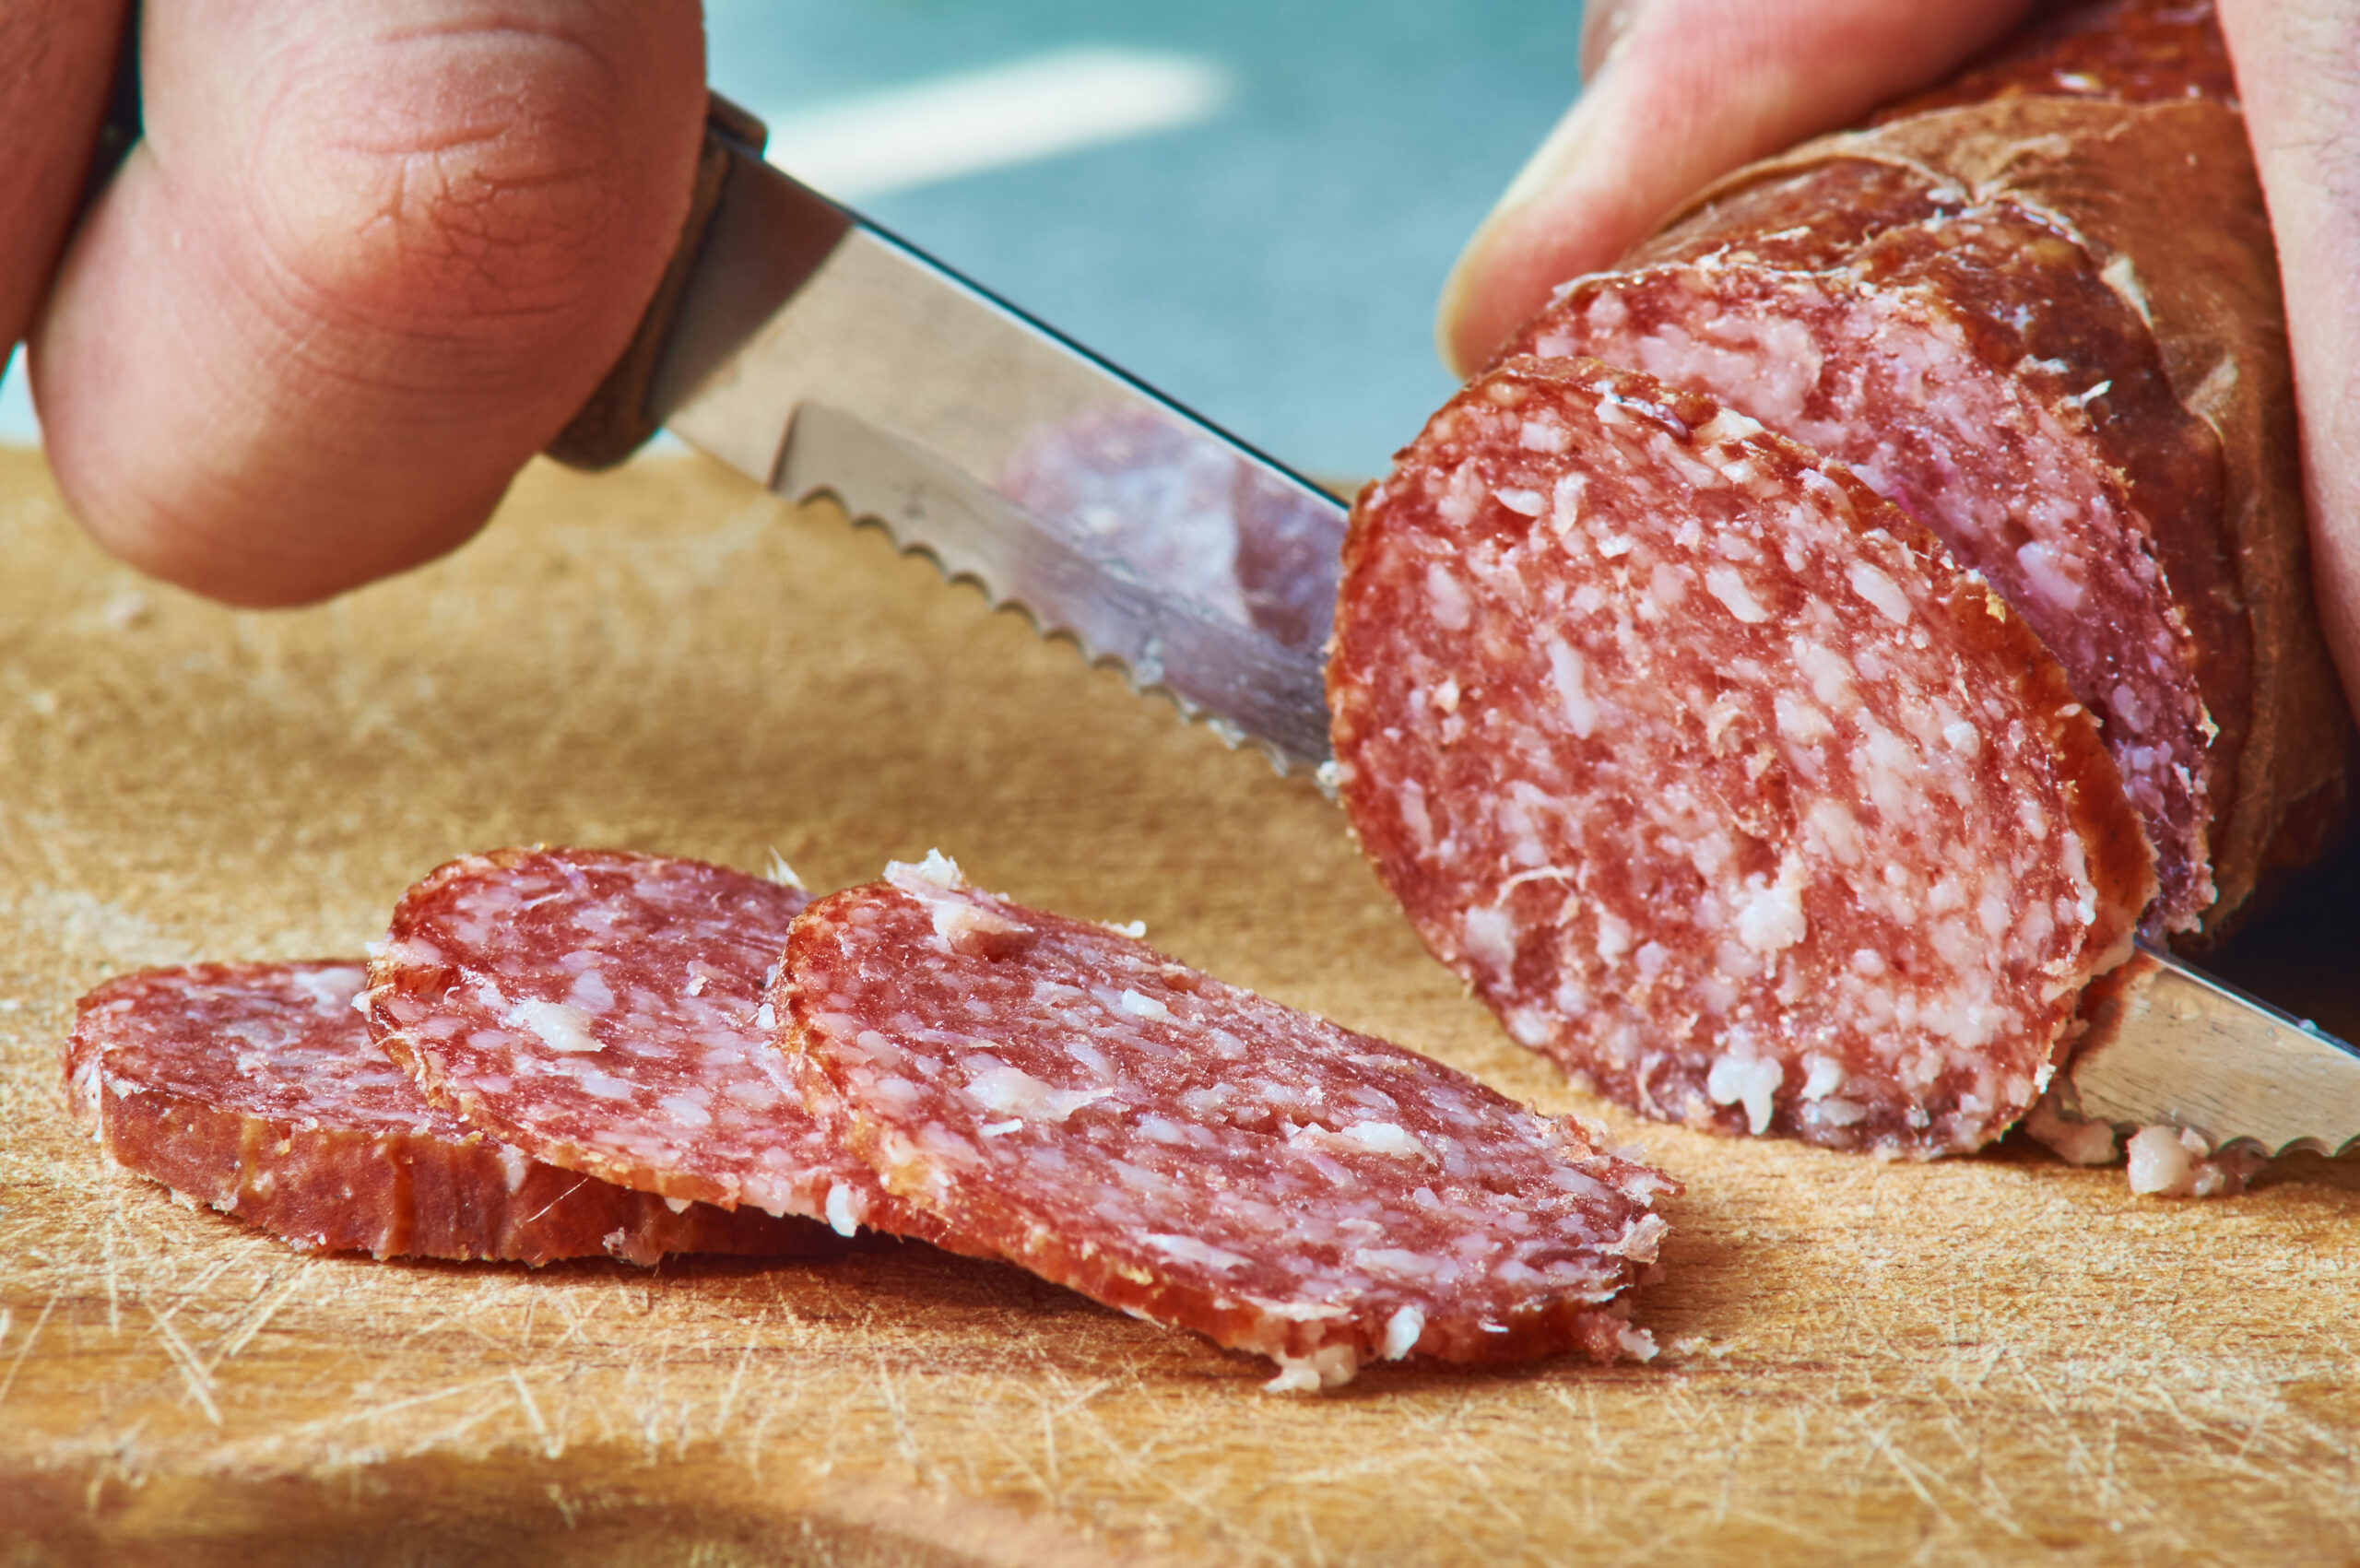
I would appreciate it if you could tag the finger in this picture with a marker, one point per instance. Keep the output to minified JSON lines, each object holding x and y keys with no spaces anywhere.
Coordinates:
{"x":2295,"y":62}
{"x":1684,"y":90}
{"x":369,"y":258}
{"x":56,"y":57}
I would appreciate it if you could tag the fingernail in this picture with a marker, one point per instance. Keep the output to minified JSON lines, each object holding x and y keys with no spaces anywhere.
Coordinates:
{"x":1605,"y":24}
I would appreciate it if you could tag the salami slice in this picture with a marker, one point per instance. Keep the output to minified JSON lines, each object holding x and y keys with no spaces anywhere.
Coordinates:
{"x":255,"y":1088}
{"x":603,"y":1011}
{"x":1714,"y":775}
{"x":2038,"y":310}
{"x":1198,"y":1155}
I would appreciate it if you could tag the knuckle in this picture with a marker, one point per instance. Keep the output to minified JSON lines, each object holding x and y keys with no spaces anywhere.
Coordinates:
{"x":467,"y":184}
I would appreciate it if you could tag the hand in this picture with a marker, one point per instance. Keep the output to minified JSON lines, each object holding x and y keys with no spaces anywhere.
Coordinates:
{"x":369,"y":258}
{"x":1682,"y":92}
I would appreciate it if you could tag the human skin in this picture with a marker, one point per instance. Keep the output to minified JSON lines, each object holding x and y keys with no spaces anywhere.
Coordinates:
{"x":368,"y":258}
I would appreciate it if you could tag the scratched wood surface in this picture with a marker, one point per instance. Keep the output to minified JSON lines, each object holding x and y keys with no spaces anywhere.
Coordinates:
{"x":1987,"y":1361}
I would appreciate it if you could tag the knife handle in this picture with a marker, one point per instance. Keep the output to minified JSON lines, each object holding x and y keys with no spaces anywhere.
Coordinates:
{"x":614,"y":422}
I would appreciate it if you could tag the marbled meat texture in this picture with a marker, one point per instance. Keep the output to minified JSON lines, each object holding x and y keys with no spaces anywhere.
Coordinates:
{"x":604,"y":1011}
{"x":2038,"y":309}
{"x":1198,"y":1155}
{"x":1714,"y":775}
{"x":255,"y":1088}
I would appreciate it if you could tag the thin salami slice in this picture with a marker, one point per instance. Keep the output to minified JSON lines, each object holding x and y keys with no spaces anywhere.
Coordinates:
{"x":603,"y":1011}
{"x":255,"y":1088}
{"x":1714,"y":775}
{"x":2038,"y":310}
{"x":1198,"y":1155}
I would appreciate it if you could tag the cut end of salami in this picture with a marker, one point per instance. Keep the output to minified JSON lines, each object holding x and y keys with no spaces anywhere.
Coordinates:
{"x":1969,"y":364}
{"x":256,"y":1089}
{"x":603,"y":1011}
{"x":1715,"y":775}
{"x":2038,"y":309}
{"x":1198,"y":1155}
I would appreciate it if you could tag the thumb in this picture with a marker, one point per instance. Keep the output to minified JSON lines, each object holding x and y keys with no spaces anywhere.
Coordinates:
{"x":2298,"y":72}
{"x":367,"y":259}
{"x":1683,"y":91}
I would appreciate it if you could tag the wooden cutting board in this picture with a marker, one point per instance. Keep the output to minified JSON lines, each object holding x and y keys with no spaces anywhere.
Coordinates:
{"x":1986,"y":1360}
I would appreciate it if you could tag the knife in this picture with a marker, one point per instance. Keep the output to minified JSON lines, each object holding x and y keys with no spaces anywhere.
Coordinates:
{"x":814,"y":352}
{"x":809,"y":349}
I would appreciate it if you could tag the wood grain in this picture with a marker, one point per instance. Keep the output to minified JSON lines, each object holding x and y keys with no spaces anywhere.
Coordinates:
{"x":1985,"y":1360}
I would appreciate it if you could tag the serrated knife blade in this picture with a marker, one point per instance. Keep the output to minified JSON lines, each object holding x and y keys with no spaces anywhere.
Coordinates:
{"x":819,"y":354}
{"x":2170,"y":1046}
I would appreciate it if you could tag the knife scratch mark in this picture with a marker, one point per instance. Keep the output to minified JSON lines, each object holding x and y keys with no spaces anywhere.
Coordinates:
{"x":550,"y":1446}
{"x":26,"y":1349}
{"x":258,"y":1316}
{"x":192,"y":1370}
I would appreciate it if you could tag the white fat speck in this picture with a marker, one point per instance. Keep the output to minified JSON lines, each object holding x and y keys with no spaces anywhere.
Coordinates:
{"x":1772,"y":918}
{"x":842,"y":1217}
{"x":1880,"y":591}
{"x":1528,"y":503}
{"x":1801,"y":721}
{"x":514,"y":1165}
{"x":1012,"y":1091}
{"x":1962,"y":738}
{"x":1401,"y":1331}
{"x":1727,"y":425}
{"x":1724,"y":584}
{"x":765,"y":1016}
{"x":563,"y":1028}
{"x":1141,"y":1006}
{"x":960,"y":923}
{"x":1134,"y":929}
{"x":1613,"y":937}
{"x":678,"y":1205}
{"x":1330,"y":1366}
{"x":1488,"y":937}
{"x":1445,"y":695}
{"x":1544,"y":435}
{"x":1569,"y":675}
{"x":1823,"y":1076}
{"x":1001,"y":1129}
{"x":2077,"y":1143}
{"x":1748,"y":1080}
{"x":937,"y":869}
{"x":1448,"y":596}
{"x":1385,"y":1137}
{"x":696,"y":985}
{"x":2050,"y":575}
{"x":685,"y":1111}
{"x":1566,"y":504}
{"x":590,"y":991}
{"x":2163,"y":1160}
{"x":1192,"y":1249}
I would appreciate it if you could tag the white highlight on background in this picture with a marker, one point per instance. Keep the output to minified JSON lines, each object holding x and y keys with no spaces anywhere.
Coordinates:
{"x":899,"y":138}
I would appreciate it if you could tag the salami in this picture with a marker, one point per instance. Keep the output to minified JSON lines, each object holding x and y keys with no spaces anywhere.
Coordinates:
{"x":1198,"y":1155}
{"x":603,"y":1011}
{"x":1715,"y":775}
{"x":255,"y":1088}
{"x":2038,"y":310}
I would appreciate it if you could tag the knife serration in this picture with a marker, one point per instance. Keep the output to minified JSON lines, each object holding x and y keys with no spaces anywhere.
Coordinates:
{"x":2169,"y":1046}
{"x":821,"y":355}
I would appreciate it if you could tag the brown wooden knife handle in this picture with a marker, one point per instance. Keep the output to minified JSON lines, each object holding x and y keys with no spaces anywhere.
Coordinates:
{"x":614,"y":422}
